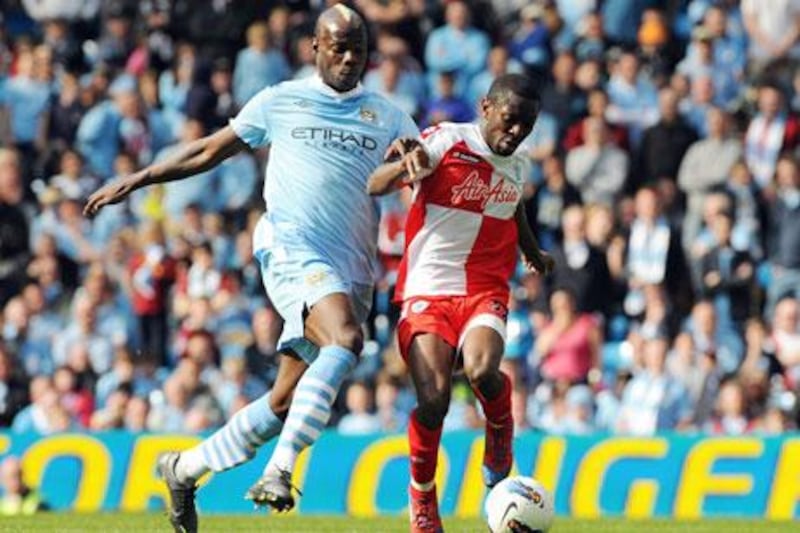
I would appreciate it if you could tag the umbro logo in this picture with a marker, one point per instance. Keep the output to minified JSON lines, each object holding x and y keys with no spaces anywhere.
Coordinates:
{"x":302,"y":102}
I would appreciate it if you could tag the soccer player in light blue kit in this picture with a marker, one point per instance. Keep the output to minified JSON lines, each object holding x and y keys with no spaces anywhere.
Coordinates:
{"x":316,"y":245}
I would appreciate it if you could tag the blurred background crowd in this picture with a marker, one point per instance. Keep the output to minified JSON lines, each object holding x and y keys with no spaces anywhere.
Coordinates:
{"x":663,"y":177}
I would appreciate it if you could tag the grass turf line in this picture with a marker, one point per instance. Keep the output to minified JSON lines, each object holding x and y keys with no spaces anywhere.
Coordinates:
{"x":119,"y":522}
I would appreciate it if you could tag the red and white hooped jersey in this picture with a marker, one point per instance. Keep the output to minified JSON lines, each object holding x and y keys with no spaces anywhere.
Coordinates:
{"x":461,"y":233}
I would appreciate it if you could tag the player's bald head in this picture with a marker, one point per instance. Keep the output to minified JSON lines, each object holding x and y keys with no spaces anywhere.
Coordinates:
{"x":339,"y":18}
{"x":340,"y":44}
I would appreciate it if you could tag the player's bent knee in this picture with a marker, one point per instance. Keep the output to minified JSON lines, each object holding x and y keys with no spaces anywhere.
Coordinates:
{"x":349,"y":337}
{"x":433,"y":407}
{"x":279,"y":402}
{"x":482,"y":371}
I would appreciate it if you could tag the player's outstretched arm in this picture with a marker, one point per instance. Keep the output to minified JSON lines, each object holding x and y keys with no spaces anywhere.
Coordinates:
{"x":411,"y":167}
{"x":193,"y":158}
{"x":534,"y":258}
{"x":387,"y":178}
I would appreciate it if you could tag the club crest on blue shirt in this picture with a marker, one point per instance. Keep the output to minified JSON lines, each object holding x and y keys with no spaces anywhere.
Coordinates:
{"x":419,"y":306}
{"x":367,"y":115}
{"x":316,"y":278}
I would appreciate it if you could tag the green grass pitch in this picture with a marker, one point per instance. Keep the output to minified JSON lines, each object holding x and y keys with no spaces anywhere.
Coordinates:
{"x":109,"y":523}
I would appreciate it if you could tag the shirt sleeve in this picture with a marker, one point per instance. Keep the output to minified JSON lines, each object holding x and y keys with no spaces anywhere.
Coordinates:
{"x":251,"y":124}
{"x":407,"y":128}
{"x":436,"y":140}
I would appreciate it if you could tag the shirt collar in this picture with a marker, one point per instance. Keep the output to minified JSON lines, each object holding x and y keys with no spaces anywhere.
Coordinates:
{"x":485,"y":150}
{"x":324,"y":88}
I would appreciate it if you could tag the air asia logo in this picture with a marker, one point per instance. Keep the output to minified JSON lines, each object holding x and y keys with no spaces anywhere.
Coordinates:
{"x":334,"y":138}
{"x":474,"y":189}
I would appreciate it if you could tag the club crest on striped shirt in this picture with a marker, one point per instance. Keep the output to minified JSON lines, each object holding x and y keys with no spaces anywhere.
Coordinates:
{"x":367,"y":115}
{"x":316,"y":278}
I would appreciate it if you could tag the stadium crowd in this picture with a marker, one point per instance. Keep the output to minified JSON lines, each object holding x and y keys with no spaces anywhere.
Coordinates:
{"x":664,"y":179}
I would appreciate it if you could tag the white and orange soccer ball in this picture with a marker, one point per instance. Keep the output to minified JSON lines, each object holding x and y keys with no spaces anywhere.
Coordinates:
{"x":519,"y":505}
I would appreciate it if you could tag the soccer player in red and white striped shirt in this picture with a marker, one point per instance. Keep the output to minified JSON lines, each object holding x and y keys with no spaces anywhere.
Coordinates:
{"x":463,"y":232}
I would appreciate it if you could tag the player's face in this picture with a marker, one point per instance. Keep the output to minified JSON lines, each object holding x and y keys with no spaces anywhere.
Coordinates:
{"x":507,"y":121}
{"x":341,"y":55}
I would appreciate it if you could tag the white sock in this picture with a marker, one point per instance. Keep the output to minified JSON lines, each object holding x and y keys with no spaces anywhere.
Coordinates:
{"x":191,"y":465}
{"x":423,"y":487}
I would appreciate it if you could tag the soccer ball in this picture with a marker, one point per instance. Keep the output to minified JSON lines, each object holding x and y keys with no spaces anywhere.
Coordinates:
{"x":519,"y":505}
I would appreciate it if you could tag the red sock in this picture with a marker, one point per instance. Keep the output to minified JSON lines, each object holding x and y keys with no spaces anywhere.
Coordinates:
{"x":424,"y":444}
{"x":498,"y":409}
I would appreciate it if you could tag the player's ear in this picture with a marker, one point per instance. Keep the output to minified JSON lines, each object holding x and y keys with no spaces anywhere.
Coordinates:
{"x":314,"y":44}
{"x":485,"y":106}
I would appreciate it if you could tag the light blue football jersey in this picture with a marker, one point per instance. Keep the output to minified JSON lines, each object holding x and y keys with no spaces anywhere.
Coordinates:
{"x":324,"y":146}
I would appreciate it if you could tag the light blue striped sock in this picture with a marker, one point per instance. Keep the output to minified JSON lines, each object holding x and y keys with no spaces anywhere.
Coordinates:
{"x":234,"y":443}
{"x":311,"y":405}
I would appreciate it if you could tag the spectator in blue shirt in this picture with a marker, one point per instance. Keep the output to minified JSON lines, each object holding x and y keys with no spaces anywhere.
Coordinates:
{"x":33,"y":356}
{"x":702,"y":61}
{"x":237,"y":179}
{"x":712,"y":335}
{"x":360,"y":419}
{"x":456,"y":47}
{"x":654,"y":400}
{"x":122,"y":371}
{"x":701,"y":102}
{"x":497,"y":64}
{"x":41,"y":415}
{"x":540,"y":144}
{"x":531,"y":43}
{"x":257,"y":66}
{"x":237,"y":383}
{"x":26,"y":101}
{"x":174,"y":83}
{"x":304,"y":65}
{"x":390,"y":80}
{"x":730,"y":49}
{"x":621,"y":19}
{"x":115,"y":319}
{"x":573,"y":13}
{"x":591,"y":42}
{"x":116,"y":43}
{"x":83,"y":330}
{"x":634,"y":100}
{"x":448,"y":107}
{"x":120,"y":123}
{"x":389,"y":402}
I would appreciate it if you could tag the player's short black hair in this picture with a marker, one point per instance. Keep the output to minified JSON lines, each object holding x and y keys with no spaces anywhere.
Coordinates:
{"x":517,"y":84}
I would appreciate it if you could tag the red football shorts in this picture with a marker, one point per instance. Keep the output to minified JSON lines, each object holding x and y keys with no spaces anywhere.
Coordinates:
{"x":451,"y":317}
